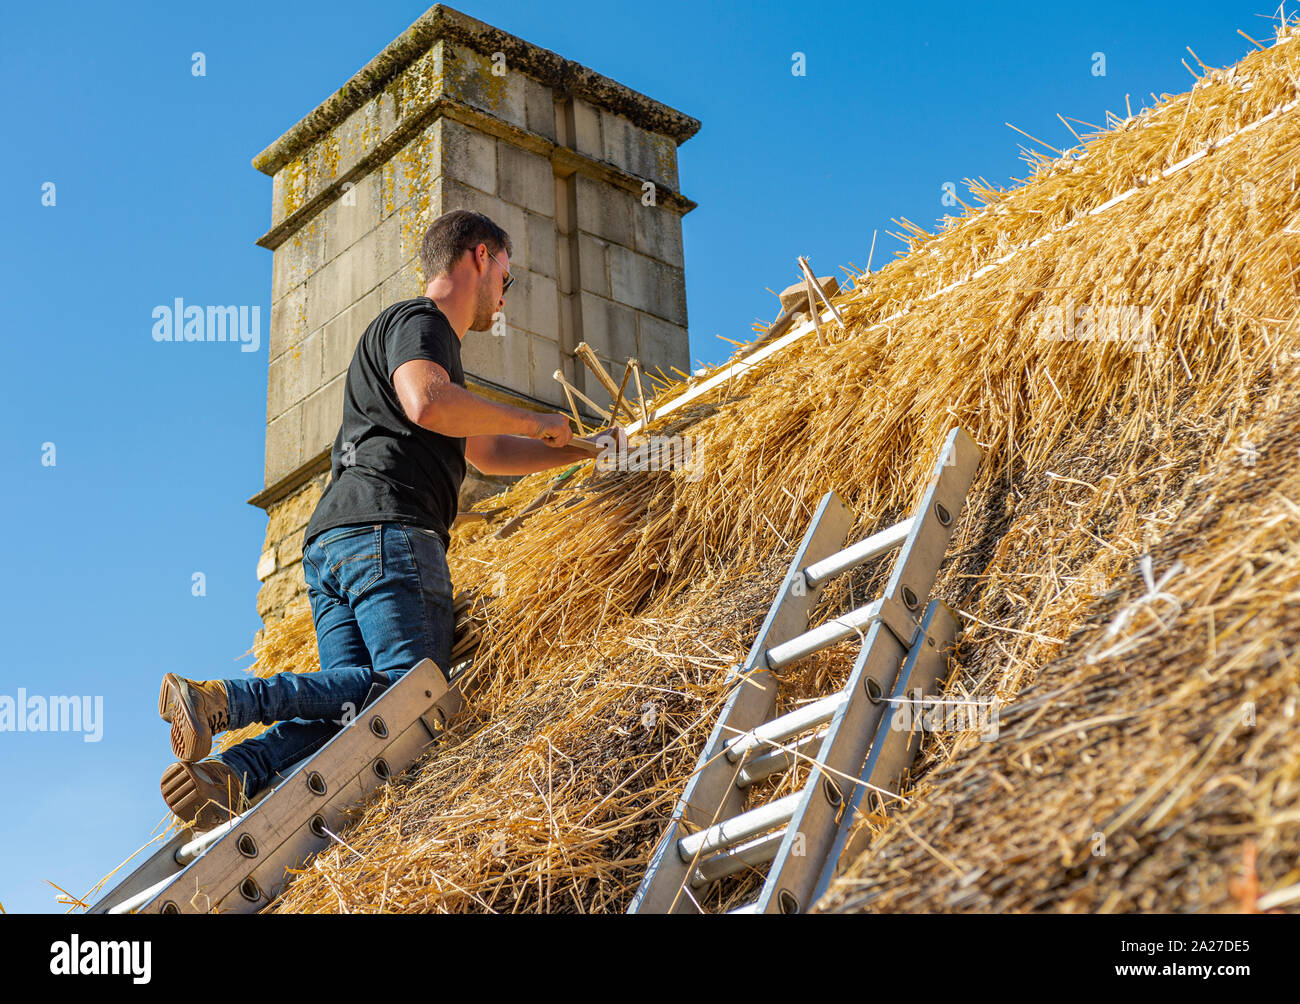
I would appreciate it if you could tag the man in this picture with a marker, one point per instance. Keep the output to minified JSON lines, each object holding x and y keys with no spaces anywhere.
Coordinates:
{"x":374,"y":554}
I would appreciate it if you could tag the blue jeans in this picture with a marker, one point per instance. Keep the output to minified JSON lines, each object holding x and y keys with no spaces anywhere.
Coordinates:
{"x":381,"y":600}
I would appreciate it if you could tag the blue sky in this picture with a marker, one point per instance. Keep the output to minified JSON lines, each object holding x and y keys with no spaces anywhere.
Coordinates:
{"x":157,"y":447}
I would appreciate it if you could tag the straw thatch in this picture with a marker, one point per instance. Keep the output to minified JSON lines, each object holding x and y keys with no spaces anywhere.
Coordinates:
{"x":608,"y":623}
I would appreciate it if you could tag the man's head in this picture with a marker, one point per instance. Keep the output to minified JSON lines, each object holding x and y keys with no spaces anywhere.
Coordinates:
{"x":465,"y":253}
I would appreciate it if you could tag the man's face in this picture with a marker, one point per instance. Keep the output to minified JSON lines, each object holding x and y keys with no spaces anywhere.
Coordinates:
{"x":490,"y":298}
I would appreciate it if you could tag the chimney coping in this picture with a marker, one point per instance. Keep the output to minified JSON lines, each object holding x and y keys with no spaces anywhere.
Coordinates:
{"x":443,"y":22}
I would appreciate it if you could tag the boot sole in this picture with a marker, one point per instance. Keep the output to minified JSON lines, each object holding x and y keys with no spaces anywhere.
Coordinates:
{"x":181,"y":792}
{"x":166,"y":698}
{"x":187,"y":742}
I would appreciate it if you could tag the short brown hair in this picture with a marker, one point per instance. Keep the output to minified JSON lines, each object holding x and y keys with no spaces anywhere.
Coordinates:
{"x":454,"y":233}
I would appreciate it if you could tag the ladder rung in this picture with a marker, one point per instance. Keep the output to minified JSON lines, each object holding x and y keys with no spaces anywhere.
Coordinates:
{"x":756,"y":852}
{"x":858,"y":554}
{"x":824,"y":636}
{"x":142,"y":897}
{"x":788,"y":725}
{"x":183,"y":855}
{"x":188,"y":852}
{"x":765,"y":766}
{"x":739,"y":828}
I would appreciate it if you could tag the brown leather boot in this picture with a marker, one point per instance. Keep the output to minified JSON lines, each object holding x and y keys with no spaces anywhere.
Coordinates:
{"x":209,"y":793}
{"x":197,"y":711}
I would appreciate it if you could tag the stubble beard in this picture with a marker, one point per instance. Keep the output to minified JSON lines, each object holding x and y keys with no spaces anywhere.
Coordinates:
{"x":483,"y":310}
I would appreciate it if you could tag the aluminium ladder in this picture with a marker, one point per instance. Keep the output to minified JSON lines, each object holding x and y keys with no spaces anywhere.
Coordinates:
{"x":242,"y":865}
{"x":846,"y":736}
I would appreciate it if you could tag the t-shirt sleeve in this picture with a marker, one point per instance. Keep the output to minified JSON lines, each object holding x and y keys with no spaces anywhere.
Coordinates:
{"x":420,"y":336}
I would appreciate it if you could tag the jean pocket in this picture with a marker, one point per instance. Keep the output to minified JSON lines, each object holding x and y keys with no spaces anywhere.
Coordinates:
{"x":430,"y":559}
{"x":355,"y":559}
{"x":344,"y":533}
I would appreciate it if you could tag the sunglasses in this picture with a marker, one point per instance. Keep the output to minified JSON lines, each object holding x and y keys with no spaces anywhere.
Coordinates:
{"x":509,"y":279}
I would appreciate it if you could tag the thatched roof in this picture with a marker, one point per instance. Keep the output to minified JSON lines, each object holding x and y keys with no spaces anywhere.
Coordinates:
{"x":608,"y":624}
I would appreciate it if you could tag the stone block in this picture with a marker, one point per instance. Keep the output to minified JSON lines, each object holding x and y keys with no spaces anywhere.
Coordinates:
{"x":343,"y":281}
{"x":404,"y":284}
{"x":586,"y":128}
{"x":283,"y":444}
{"x":288,"y":320}
{"x":412,"y":169}
{"x":293,"y":375}
{"x":358,"y":134}
{"x":525,"y":178}
{"x":606,"y":212}
{"x":290,"y":515}
{"x":659,"y":234}
{"x":544,"y":361}
{"x":533,"y":304}
{"x":662,"y":344}
{"x":672,"y":295}
{"x":301,"y":602}
{"x":502,"y":359}
{"x":542,"y":242}
{"x":647,"y":284}
{"x":632,"y":278}
{"x":330,"y":290}
{"x":298,"y":258}
{"x":593,"y":266}
{"x":352,"y":215}
{"x":609,"y":328}
{"x":279,"y":589}
{"x":405,"y":229}
{"x":469,"y":156}
{"x":289,"y":550}
{"x":469,"y":76}
{"x":340,"y":336}
{"x":539,"y":108}
{"x":322,"y":415}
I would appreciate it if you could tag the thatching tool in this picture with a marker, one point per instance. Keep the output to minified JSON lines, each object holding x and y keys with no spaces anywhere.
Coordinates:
{"x":815,"y":292}
{"x":558,"y":375}
{"x":618,"y":398}
{"x":515,"y":522}
{"x":640,"y":393}
{"x":585,"y":353}
{"x":797,"y":306}
{"x":905,"y":642}
{"x":487,"y":515}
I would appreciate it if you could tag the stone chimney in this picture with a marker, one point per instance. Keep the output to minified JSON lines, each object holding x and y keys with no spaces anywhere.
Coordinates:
{"x":455,"y":114}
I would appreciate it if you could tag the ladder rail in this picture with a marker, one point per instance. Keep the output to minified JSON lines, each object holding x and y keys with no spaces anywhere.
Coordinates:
{"x":711,"y":793}
{"x":893,"y":749}
{"x":905,"y":641}
{"x":812,"y":828}
{"x":245,"y":866}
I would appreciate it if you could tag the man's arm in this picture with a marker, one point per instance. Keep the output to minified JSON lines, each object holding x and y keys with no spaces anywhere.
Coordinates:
{"x":518,"y":454}
{"x":433,"y":402}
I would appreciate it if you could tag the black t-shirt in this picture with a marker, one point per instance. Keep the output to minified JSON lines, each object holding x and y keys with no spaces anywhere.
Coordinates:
{"x":384,"y":467}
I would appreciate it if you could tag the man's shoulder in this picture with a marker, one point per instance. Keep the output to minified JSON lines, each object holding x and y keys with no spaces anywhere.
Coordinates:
{"x":415,"y":307}
{"x":406,"y":317}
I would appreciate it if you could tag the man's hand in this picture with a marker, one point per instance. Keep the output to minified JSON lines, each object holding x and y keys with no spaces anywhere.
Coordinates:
{"x":553,"y":430}
{"x":527,"y":454}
